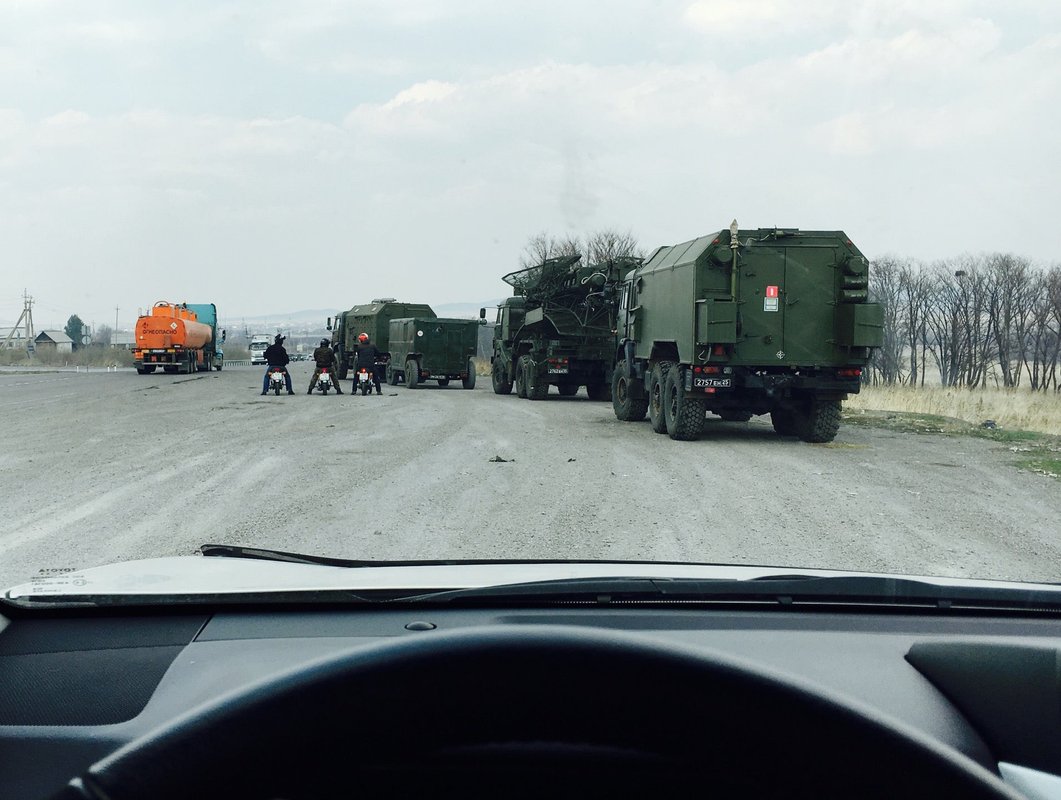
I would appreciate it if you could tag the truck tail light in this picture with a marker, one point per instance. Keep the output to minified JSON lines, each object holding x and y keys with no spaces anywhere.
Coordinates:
{"x":854,"y":372}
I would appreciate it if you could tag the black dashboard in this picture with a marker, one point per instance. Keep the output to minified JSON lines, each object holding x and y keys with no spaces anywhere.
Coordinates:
{"x":75,"y":687}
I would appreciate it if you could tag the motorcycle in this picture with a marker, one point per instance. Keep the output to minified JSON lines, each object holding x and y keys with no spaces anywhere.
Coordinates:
{"x":324,"y":381}
{"x":364,"y":381}
{"x":276,"y":381}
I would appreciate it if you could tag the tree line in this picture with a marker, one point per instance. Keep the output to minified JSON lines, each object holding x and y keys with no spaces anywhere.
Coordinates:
{"x":976,"y":321}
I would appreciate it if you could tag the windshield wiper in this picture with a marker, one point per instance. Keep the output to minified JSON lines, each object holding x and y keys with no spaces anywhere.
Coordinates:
{"x":782,"y":589}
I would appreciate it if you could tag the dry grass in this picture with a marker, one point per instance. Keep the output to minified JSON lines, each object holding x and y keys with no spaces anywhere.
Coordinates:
{"x":1010,"y":409}
{"x":482,"y":366}
{"x":85,"y":357}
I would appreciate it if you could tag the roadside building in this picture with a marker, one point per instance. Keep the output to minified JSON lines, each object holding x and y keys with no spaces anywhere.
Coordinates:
{"x":123,"y":340}
{"x":55,"y":341}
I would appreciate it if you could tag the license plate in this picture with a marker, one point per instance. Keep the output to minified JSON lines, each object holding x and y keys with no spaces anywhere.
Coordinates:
{"x":557,"y":370}
{"x":712,"y":383}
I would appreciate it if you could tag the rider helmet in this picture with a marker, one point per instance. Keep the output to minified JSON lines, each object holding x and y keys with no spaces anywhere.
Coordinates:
{"x":324,"y":342}
{"x":362,"y":337}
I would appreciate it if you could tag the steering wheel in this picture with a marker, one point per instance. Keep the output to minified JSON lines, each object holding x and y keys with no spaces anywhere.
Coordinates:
{"x":528,"y":712}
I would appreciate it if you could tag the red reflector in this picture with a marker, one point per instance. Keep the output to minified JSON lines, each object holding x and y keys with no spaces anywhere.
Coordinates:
{"x":696,"y":369}
{"x":720,"y":350}
{"x":712,"y":370}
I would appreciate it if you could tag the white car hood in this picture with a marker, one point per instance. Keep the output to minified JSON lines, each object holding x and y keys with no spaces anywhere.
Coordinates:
{"x":185,"y":576}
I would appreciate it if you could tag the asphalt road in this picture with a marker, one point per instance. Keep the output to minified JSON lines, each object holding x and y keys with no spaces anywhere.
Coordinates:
{"x":107,"y":466}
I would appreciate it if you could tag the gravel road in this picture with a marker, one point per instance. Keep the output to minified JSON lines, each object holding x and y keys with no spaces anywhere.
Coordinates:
{"x":107,"y":466}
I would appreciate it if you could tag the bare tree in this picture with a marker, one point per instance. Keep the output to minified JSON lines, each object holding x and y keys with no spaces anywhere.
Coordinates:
{"x":886,"y":361}
{"x":103,"y":336}
{"x":542,"y":246}
{"x":609,"y":244}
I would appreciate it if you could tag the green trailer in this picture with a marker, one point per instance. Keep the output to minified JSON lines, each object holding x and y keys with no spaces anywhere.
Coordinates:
{"x":374,"y":319}
{"x":433,"y":348}
{"x":746,"y":322}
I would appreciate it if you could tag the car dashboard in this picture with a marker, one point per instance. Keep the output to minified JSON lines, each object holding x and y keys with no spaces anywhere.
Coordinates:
{"x":77,"y":685}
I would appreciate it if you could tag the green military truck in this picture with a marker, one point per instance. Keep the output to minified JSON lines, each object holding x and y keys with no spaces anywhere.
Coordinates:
{"x":746,"y":322}
{"x":558,"y":329}
{"x":433,"y":349}
{"x":374,"y":319}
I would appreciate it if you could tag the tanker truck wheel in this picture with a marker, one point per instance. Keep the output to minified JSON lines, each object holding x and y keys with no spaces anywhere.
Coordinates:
{"x":498,"y":379}
{"x":626,"y":408}
{"x":521,"y":377}
{"x":656,"y":382}
{"x":819,"y":421}
{"x":146,"y":370}
{"x":684,"y":415}
{"x":170,"y":369}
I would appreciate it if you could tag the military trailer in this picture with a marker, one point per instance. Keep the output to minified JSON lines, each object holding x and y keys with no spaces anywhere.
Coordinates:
{"x":374,"y":319}
{"x":558,"y":329}
{"x":746,"y":322}
{"x":433,"y":349}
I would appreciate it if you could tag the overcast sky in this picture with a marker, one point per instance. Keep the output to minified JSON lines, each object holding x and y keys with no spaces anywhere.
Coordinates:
{"x":273,"y":156}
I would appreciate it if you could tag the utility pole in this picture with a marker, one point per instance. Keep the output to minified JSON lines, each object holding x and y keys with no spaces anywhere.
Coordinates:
{"x":27,"y":317}
{"x":116,"y":319}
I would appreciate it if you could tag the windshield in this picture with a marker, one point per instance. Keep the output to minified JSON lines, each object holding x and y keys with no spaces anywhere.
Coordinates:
{"x":740,"y":283}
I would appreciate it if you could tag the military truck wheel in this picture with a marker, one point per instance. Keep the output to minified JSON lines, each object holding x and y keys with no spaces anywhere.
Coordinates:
{"x":735,"y":415}
{"x":537,"y":385}
{"x":521,"y":377}
{"x":443,"y":381}
{"x":469,"y":382}
{"x":412,"y":374}
{"x":343,"y":370}
{"x":684,"y":415}
{"x":599,"y":392}
{"x":657,"y":380}
{"x":626,"y":408}
{"x":819,"y":421}
{"x":499,"y":380}
{"x":391,"y":376}
{"x":783,"y":421}
{"x":567,"y":389}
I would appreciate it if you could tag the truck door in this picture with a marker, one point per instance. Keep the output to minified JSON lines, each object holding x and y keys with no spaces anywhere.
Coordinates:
{"x":809,"y":299}
{"x":762,"y":306}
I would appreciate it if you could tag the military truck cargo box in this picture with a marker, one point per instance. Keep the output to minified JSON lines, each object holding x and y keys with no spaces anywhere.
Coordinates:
{"x":432,"y":348}
{"x":558,"y":329}
{"x":374,"y":319}
{"x":746,"y":322}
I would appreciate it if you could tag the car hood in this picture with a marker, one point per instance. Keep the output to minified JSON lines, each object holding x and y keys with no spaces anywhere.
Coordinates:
{"x":188,"y":576}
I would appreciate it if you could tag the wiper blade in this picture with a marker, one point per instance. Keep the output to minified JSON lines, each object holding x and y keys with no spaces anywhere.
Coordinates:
{"x":786,"y":589}
{"x":265,"y":554}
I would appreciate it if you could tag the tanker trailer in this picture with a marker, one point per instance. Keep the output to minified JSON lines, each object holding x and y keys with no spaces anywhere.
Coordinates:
{"x":170,"y":336}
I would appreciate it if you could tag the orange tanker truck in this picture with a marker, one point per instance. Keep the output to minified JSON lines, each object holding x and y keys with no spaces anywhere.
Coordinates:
{"x":179,"y":338}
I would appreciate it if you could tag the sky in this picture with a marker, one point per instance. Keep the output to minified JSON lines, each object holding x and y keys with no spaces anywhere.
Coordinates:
{"x":274,"y":156}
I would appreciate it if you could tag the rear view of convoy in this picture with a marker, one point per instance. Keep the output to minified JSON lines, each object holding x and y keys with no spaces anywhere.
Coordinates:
{"x":738,"y":323}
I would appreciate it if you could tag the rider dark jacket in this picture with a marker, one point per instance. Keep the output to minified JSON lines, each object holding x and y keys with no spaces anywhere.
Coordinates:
{"x":276,"y":355}
{"x":324,"y":357}
{"x":367,"y":355}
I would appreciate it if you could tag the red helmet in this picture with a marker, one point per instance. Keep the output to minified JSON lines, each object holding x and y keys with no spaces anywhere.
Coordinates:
{"x":362,"y":337}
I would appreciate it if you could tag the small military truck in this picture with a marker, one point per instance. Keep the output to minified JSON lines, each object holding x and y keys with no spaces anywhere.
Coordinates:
{"x":374,"y":319}
{"x":746,"y":322}
{"x":433,"y":349}
{"x":558,"y":329}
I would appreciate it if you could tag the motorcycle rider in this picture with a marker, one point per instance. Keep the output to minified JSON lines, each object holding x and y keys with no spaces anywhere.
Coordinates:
{"x":276,"y":358}
{"x":325,"y":359}
{"x":367,"y":356}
